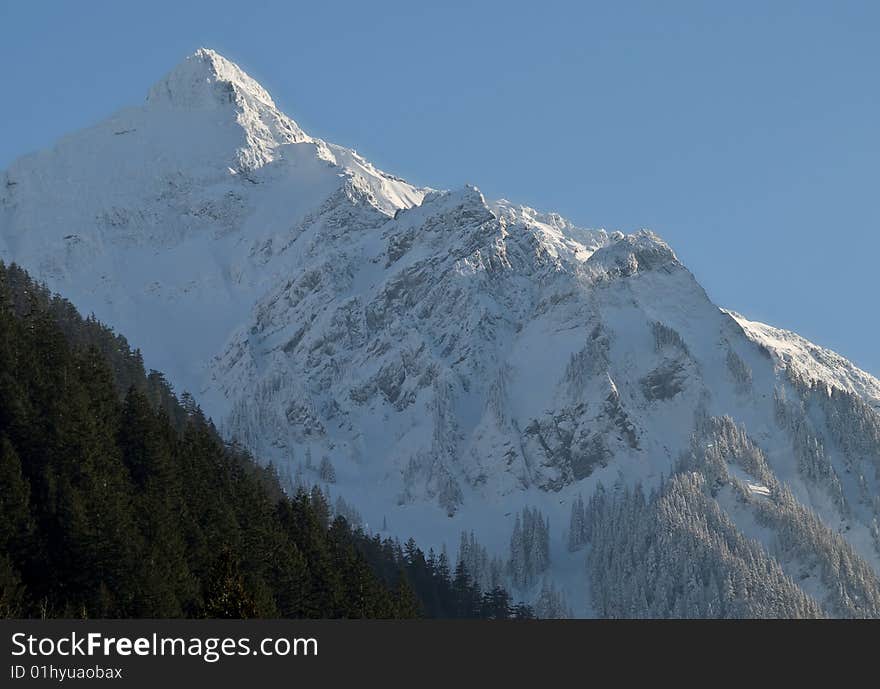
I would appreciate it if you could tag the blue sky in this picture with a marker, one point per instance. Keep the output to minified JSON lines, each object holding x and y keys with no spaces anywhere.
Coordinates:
{"x":746,"y":134}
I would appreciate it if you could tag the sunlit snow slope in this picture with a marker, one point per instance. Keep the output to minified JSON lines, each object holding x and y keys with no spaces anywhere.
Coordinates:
{"x":455,"y":359}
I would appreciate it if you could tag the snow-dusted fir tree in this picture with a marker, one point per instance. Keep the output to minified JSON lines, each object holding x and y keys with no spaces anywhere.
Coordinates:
{"x":326,"y":471}
{"x":348,"y":512}
{"x":577,"y":530}
{"x":551,"y":604}
{"x":299,"y":482}
{"x":482,"y":570}
{"x":444,"y":569}
{"x":529,"y":547}
{"x":739,"y":371}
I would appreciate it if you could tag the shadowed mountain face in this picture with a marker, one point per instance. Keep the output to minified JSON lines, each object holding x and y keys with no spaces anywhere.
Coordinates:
{"x":455,"y":360}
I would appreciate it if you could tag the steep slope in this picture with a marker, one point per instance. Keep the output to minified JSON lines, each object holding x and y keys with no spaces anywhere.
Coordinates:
{"x":444,"y":360}
{"x":174,"y":216}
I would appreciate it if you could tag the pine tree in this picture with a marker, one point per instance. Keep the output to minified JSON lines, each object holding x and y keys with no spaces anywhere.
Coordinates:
{"x":406,"y":604}
{"x":16,"y":523}
{"x":16,"y":529}
{"x":466,"y":596}
{"x":226,"y":595}
{"x":496,"y":605}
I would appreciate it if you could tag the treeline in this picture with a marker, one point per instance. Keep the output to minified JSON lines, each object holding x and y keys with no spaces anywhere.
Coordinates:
{"x":443,"y":592}
{"x":119,"y":500}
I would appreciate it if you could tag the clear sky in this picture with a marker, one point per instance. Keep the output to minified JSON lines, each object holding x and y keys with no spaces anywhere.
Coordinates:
{"x":744,"y":133}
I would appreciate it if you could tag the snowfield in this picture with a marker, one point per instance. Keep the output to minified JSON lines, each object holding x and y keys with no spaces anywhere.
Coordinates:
{"x":457,"y":360}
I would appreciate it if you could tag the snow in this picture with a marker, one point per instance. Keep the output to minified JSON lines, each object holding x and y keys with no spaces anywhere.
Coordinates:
{"x":793,"y":352}
{"x":456,"y":358}
{"x":753,"y":487}
{"x":758,"y":489}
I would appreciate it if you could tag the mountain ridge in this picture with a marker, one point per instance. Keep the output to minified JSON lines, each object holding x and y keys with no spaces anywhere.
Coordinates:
{"x":455,"y":359}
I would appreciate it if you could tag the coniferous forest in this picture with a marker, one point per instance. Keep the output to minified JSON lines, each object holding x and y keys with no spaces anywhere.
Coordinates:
{"x":117,"y":499}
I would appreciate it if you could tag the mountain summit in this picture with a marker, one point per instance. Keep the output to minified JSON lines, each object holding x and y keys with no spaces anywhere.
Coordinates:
{"x":566,"y":403}
{"x":207,"y":79}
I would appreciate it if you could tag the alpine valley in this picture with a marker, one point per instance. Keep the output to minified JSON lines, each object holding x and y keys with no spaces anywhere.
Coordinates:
{"x":562,"y":408}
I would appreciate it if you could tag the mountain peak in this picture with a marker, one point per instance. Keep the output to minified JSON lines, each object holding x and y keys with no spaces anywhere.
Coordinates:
{"x":206,"y":79}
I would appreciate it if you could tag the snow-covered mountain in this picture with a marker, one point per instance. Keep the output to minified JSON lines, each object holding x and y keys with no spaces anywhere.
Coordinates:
{"x":441,"y":362}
